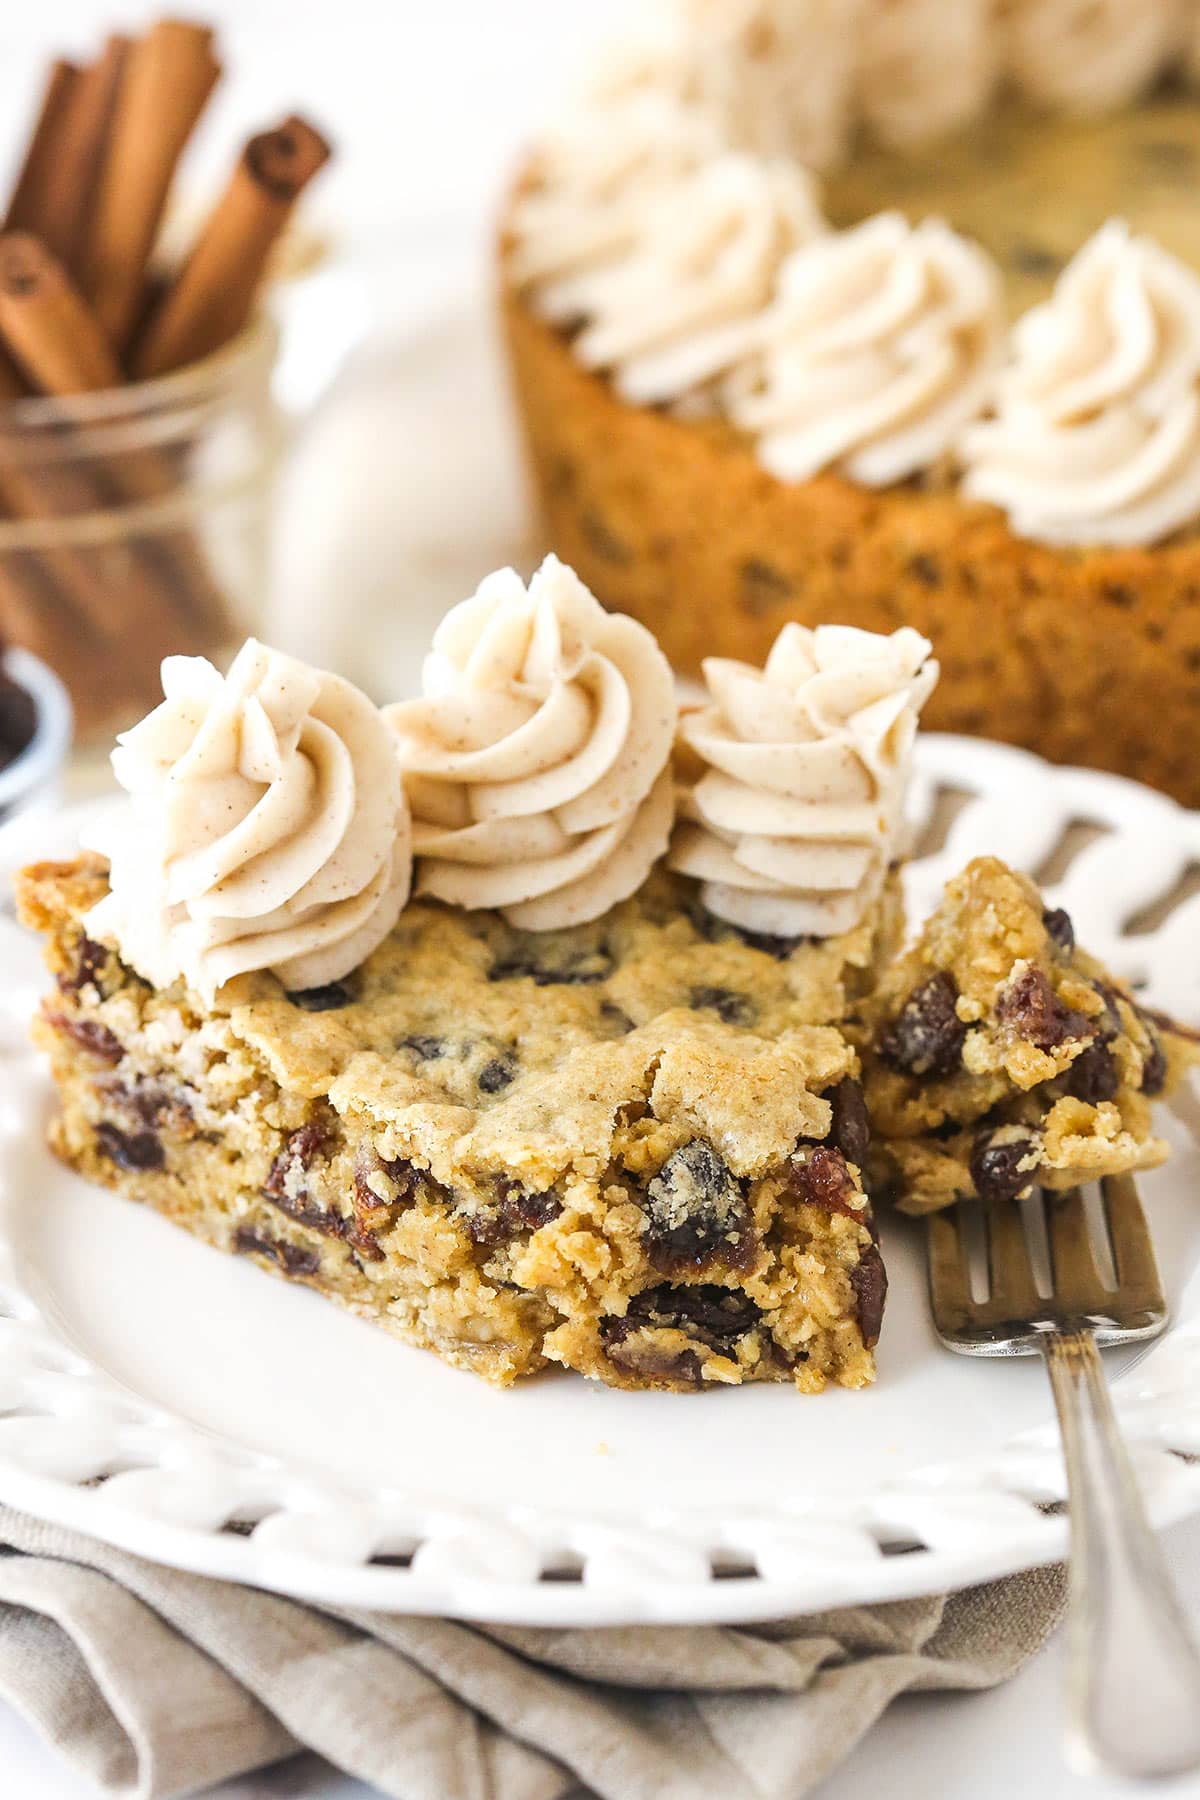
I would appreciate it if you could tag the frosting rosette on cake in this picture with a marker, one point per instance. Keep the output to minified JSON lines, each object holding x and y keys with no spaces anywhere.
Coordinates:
{"x":1089,"y":56}
{"x":1096,"y":438}
{"x":774,"y":76}
{"x":882,"y":344}
{"x":924,"y":68}
{"x":777,"y":74}
{"x":537,"y":764}
{"x":267,"y":828}
{"x":800,"y":811}
{"x":592,"y":183}
{"x":656,"y":310}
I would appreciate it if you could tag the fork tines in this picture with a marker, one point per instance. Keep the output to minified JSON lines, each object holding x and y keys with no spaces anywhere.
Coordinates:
{"x":1003,"y":1273}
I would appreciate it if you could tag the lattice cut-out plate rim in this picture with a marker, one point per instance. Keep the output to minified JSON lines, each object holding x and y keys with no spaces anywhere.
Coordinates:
{"x":79,"y":1448}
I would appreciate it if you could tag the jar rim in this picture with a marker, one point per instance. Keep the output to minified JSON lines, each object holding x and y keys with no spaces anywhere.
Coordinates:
{"x":256,"y":343}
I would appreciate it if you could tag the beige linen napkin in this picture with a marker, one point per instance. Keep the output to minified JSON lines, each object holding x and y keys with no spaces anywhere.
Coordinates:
{"x":155,"y":1683}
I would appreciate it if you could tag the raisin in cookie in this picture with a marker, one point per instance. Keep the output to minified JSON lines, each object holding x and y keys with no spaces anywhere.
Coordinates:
{"x":1000,"y":1054}
{"x":634,"y":1148}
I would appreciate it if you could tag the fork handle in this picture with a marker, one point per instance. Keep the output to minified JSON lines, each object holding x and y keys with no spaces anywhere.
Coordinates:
{"x":1133,"y":1699}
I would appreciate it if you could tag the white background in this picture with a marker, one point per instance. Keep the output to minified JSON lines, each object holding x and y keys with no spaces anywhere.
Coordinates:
{"x":428,"y":101}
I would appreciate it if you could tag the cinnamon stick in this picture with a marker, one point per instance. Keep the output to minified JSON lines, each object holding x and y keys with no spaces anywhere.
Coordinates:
{"x":213,"y":294}
{"x":79,"y":149}
{"x":35,"y":182}
{"x":107,"y":572}
{"x":99,"y":586}
{"x":48,"y":328}
{"x":54,"y":337}
{"x":168,"y":77}
{"x":29,"y":606}
{"x":37,"y":587}
{"x":12,"y":386}
{"x":37,"y":613}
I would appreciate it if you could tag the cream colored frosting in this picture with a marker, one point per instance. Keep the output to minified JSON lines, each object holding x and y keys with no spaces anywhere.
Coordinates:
{"x":777,"y":74}
{"x":1089,"y":55}
{"x":925,"y":68}
{"x":1097,"y":434}
{"x":882,"y":344}
{"x":661,"y":307}
{"x":795,"y":77}
{"x":537,"y":764}
{"x":267,"y":827}
{"x":775,"y":77}
{"x":595,"y":178}
{"x":800,"y":811}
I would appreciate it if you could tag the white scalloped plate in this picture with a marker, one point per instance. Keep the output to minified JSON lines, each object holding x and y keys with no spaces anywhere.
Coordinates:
{"x":184,"y":1405}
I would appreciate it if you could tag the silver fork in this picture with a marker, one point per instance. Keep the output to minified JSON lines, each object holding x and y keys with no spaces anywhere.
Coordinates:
{"x":1133,"y":1695}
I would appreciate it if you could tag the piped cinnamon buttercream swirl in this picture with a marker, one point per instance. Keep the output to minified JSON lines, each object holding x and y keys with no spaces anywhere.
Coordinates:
{"x":1096,"y":438}
{"x":1089,"y":56}
{"x":882,"y":344}
{"x":777,"y":74}
{"x":591,"y":183}
{"x":537,"y":764}
{"x":267,"y":827}
{"x":800,"y":810}
{"x":925,"y":68}
{"x":678,"y":267}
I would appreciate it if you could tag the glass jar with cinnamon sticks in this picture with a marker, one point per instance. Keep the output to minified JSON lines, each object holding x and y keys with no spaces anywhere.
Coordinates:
{"x":137,"y":434}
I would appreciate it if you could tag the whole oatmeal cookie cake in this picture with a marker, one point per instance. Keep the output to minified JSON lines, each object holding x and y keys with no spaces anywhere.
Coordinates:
{"x":944,"y":385}
{"x":555,"y":1109}
{"x":1000,"y":1055}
